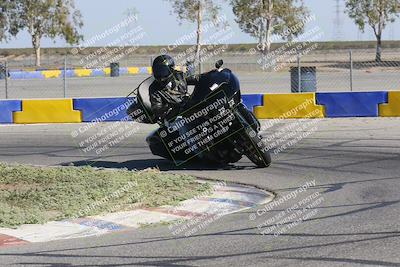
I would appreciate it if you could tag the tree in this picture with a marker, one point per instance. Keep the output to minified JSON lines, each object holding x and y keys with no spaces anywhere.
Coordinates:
{"x":44,"y":18}
{"x":9,"y":24}
{"x":375,"y":13}
{"x":196,"y":11}
{"x":264,"y":18}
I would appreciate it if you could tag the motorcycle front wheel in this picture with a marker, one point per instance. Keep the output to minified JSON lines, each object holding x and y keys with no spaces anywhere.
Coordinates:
{"x":223,"y":154}
{"x":254,"y":149}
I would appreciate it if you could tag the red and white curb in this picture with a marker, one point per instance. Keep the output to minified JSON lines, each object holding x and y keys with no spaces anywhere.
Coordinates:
{"x":225,"y":199}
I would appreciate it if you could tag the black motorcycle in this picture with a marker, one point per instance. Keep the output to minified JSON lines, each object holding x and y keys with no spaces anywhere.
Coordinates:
{"x":217,"y":127}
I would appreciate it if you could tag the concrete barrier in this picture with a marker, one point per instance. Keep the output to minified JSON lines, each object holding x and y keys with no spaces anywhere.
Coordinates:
{"x":103,"y":109}
{"x":252,"y":101}
{"x":352,"y":104}
{"x":7,"y":108}
{"x":289,"y":106}
{"x":47,"y":111}
{"x":100,"y":72}
{"x":268,"y":106}
{"x":392,"y":108}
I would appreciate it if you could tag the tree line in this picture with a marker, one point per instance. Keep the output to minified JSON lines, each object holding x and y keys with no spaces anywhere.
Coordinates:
{"x":262,"y":19}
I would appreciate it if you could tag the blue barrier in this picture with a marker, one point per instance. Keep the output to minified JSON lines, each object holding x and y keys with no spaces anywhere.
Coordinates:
{"x":7,"y":107}
{"x":114,"y":109}
{"x":144,"y":70}
{"x":123,"y":70}
{"x":69,"y":73}
{"x":103,"y":109}
{"x":251,"y":101}
{"x":352,"y":104}
{"x":16,"y":75}
{"x":80,"y":72}
{"x":98,"y":73}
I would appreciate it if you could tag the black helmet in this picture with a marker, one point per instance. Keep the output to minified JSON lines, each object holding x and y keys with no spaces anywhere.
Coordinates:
{"x":163,"y":68}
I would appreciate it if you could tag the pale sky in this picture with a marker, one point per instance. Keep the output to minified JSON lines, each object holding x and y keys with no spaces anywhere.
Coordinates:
{"x":162,"y":28}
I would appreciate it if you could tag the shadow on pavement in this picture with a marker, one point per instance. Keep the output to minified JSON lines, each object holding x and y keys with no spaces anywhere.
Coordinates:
{"x":163,"y":165}
{"x":288,"y":252}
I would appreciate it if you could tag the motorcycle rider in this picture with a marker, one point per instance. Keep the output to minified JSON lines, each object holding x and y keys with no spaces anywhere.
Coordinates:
{"x":169,"y":92}
{"x":168,"y":96}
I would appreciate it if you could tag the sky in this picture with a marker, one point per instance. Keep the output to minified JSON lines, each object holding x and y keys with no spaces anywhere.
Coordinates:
{"x":160,"y":27}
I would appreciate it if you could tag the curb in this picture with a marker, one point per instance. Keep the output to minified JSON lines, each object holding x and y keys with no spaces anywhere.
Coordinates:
{"x":225,"y":199}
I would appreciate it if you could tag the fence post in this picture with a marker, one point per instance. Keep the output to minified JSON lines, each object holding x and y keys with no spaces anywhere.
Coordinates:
{"x":200,"y":67}
{"x":351,"y":70}
{"x":65,"y":76}
{"x":6,"y":78}
{"x":298,"y":73}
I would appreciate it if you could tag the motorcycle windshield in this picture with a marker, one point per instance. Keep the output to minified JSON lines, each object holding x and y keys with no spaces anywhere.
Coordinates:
{"x":228,"y":80}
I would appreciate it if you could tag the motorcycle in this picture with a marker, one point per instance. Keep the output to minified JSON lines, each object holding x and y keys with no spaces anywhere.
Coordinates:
{"x":217,"y":127}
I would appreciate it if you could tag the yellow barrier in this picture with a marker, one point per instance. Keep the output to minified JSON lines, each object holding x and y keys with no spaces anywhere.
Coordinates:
{"x":83,"y":72}
{"x":107,"y":71}
{"x":51,"y":73}
{"x":47,"y":111}
{"x":133,"y":70}
{"x":289,"y":106}
{"x":392,"y":109}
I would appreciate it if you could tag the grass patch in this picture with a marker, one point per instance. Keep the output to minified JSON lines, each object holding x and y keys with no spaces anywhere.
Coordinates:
{"x":30,"y":195}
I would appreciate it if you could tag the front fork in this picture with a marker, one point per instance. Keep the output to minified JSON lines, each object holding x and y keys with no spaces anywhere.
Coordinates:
{"x":251,"y":127}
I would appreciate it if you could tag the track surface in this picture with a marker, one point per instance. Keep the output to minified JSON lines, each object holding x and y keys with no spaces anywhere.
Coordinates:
{"x":356,"y":166}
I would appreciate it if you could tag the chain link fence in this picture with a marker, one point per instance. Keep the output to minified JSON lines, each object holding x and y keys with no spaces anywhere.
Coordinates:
{"x":331,"y":71}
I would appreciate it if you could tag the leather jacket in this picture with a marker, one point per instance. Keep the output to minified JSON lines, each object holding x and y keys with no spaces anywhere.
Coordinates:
{"x":169,"y":100}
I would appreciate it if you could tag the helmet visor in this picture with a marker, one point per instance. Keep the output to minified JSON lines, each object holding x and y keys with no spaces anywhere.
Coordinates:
{"x":162,"y":73}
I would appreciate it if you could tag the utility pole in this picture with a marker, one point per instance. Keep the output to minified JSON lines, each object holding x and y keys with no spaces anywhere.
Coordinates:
{"x":65,"y":76}
{"x":337,"y":22}
{"x":6,"y":78}
{"x":351,"y":70}
{"x":199,"y":33}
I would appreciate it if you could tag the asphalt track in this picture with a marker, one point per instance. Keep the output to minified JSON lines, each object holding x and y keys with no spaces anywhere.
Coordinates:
{"x":251,"y":83}
{"x":355,"y":164}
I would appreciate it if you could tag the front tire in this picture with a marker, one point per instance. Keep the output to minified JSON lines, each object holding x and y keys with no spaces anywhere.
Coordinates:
{"x":255,"y":150}
{"x":223,"y":155}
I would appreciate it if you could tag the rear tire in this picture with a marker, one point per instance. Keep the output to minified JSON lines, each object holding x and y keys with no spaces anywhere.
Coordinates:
{"x":157,"y":147}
